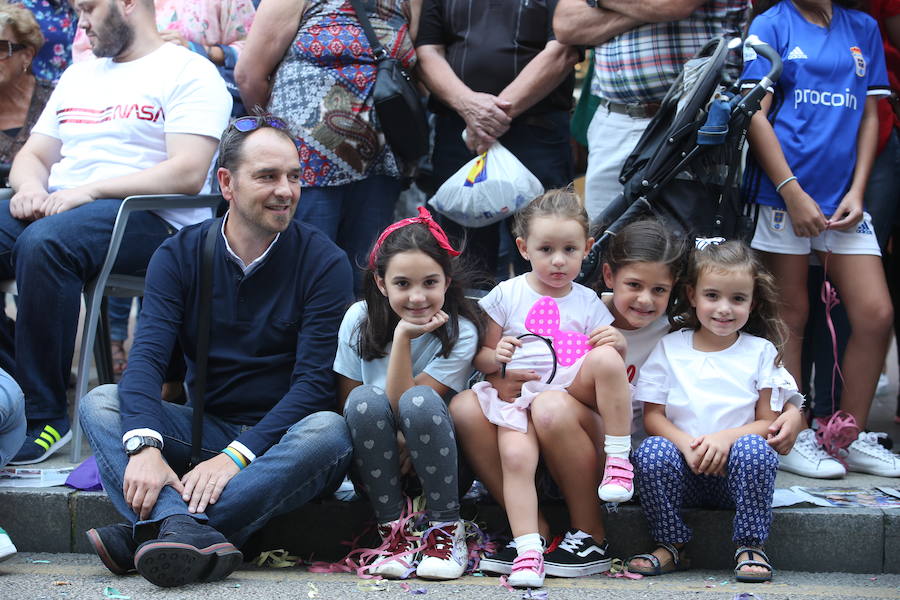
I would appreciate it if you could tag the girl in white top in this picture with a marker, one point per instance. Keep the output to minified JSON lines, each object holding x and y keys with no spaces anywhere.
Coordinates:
{"x":579,"y":355}
{"x":643,"y":265}
{"x":710,"y":393}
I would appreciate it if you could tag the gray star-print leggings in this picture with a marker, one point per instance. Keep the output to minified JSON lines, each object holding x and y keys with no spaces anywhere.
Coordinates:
{"x":423,"y":418}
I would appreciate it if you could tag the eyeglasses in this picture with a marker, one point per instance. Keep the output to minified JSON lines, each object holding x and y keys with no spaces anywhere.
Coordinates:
{"x":252,"y":123}
{"x":7,"y":48}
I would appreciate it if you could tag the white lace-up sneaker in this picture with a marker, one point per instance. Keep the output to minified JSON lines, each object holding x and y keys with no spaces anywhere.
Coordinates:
{"x":866,"y":455}
{"x":445,"y":554}
{"x":398,"y":558}
{"x":809,"y":459}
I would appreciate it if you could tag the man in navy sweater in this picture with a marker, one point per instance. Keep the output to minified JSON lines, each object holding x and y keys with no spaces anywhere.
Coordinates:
{"x":271,"y":442}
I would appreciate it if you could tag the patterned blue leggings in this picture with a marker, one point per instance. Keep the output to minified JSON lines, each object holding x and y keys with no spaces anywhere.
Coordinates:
{"x":666,"y":484}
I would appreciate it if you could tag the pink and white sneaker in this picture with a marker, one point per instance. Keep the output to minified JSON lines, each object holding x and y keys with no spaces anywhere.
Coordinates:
{"x":618,"y":480}
{"x":527,"y":570}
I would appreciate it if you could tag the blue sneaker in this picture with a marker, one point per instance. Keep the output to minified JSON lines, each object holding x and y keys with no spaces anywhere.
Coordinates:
{"x":41,"y":440}
{"x":186,"y":551}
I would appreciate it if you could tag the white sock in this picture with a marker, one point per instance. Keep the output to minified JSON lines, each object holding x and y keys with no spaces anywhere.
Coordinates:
{"x":617,"y":446}
{"x":529,"y":541}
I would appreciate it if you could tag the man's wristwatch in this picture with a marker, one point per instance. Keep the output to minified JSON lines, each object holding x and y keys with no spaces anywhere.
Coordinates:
{"x":136,"y":443}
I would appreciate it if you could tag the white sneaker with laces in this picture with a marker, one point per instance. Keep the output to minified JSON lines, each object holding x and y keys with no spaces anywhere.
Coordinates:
{"x":7,"y":548}
{"x":398,"y":558}
{"x":445,"y":554}
{"x":809,"y":459}
{"x":866,"y":455}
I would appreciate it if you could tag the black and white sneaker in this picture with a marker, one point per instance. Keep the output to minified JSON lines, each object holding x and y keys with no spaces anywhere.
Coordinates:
{"x":577,"y":555}
{"x":499,"y":562}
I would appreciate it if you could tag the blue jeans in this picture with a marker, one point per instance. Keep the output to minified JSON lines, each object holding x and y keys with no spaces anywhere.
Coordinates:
{"x":51,"y":259}
{"x":310,"y":459}
{"x":352,"y":216}
{"x":12,"y":418}
{"x":118,"y":313}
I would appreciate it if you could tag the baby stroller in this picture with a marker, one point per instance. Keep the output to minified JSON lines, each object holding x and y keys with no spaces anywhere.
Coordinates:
{"x":684,"y":170}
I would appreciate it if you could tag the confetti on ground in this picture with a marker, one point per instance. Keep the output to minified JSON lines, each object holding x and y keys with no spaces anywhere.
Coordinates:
{"x":746,"y":596}
{"x":40,"y":562}
{"x":62,"y":583}
{"x":371,"y":585}
{"x":531,"y":594}
{"x":313,"y":590}
{"x":114,"y":594}
{"x":276,"y":559}
{"x":617,"y":569}
{"x":407,"y":588}
{"x":505,"y":584}
{"x":237,"y":585}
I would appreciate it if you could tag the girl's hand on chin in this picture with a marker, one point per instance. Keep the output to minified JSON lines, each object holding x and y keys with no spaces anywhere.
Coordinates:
{"x":411,"y":330}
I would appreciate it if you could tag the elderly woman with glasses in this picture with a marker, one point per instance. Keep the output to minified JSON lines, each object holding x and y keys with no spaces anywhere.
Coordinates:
{"x":22,"y":95}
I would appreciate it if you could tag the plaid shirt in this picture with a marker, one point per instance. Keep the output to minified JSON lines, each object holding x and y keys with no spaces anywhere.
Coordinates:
{"x":638,"y":66}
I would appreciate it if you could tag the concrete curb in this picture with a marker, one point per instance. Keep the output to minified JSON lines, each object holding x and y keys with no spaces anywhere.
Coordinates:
{"x":803,"y":539}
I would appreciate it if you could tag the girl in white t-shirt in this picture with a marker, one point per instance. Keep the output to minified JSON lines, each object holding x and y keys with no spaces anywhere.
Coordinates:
{"x":710,"y":393}
{"x":545,"y":322}
{"x":403,"y":350}
{"x":643,"y":266}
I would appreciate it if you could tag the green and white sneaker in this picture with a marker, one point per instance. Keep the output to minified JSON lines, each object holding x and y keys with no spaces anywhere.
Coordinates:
{"x":7,"y":548}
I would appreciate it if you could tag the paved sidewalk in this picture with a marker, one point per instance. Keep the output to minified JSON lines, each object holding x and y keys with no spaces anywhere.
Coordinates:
{"x":78,"y":576}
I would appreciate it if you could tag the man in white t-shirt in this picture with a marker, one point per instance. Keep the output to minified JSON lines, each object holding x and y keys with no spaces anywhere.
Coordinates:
{"x":144,"y":118}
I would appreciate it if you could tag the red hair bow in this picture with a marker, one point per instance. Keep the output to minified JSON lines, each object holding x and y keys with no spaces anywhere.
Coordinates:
{"x":424,"y":218}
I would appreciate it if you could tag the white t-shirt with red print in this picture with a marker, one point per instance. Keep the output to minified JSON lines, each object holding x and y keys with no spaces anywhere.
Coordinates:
{"x":112,"y":117}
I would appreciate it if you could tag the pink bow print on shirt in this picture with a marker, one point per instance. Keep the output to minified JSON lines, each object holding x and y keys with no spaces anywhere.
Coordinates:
{"x":543,"y":319}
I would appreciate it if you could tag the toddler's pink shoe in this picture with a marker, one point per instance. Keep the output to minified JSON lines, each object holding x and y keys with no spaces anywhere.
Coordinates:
{"x":618,"y":480}
{"x":527,"y":570}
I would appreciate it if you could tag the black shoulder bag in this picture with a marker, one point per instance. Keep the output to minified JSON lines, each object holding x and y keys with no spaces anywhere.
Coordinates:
{"x":203,"y":320}
{"x":397,"y":101}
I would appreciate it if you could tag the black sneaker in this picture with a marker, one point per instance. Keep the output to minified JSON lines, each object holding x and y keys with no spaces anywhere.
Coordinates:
{"x":577,"y":555}
{"x":499,"y":562}
{"x":186,"y":551}
{"x":115,"y":546}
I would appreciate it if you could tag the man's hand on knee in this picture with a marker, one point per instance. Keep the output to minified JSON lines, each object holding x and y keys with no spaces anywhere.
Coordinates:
{"x":63,"y":200}
{"x":145,"y":476}
{"x":26,"y":203}
{"x":204,"y":483}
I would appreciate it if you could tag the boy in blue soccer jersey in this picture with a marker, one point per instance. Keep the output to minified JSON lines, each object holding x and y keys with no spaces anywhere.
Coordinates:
{"x":813,"y":145}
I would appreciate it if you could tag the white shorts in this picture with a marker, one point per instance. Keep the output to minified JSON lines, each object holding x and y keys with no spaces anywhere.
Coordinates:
{"x":775,"y":233}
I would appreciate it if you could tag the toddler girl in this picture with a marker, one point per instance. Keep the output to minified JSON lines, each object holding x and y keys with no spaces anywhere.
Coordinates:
{"x":544,"y":321}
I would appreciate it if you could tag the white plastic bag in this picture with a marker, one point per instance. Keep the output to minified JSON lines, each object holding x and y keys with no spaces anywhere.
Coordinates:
{"x":487,"y":189}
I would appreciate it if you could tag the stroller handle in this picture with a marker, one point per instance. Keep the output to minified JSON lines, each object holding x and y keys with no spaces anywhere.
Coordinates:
{"x":756,"y":94}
